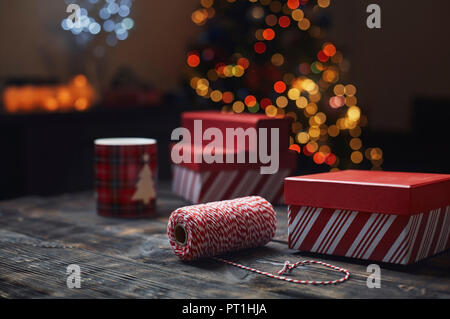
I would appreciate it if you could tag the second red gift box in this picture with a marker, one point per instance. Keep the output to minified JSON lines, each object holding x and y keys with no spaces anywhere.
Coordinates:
{"x":391,"y":217}
{"x":199,"y":182}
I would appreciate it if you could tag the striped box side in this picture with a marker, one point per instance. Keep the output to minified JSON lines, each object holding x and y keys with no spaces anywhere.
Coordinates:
{"x":209,"y":186}
{"x":370,"y":236}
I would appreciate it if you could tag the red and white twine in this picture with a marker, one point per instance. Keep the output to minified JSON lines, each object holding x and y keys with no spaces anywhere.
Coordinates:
{"x":216,"y":228}
{"x":288,"y":267}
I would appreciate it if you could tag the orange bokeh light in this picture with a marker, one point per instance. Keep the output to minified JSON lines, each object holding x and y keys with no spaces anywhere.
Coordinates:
{"x":193,"y":60}
{"x":51,"y":104}
{"x":319,"y":158}
{"x":78,"y":94}
{"x":250,"y":101}
{"x":244,"y":62}
{"x":80,"y":80}
{"x":227,"y":97}
{"x":329,"y":50}
{"x":331,"y":159}
{"x":269,"y":34}
{"x":81,"y":104}
{"x":293,"y":4}
{"x":279,"y":87}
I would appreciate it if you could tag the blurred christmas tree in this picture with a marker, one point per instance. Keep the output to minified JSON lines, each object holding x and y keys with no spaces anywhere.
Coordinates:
{"x":272,"y":56}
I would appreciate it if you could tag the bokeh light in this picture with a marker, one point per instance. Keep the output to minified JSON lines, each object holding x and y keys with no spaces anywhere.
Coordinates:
{"x":96,"y":15}
{"x":264,"y":76}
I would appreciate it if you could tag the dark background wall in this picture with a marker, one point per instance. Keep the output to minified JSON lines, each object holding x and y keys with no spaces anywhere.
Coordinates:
{"x":407,"y":58}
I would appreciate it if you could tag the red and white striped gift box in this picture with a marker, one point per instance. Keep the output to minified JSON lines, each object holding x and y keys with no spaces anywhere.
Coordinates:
{"x":214,"y":185}
{"x":398,"y":218}
{"x":201,"y":182}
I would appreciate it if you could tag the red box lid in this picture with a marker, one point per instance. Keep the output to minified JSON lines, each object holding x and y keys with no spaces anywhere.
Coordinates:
{"x":246,"y":119}
{"x":287,"y":159}
{"x":370,"y":191}
{"x":223,"y":121}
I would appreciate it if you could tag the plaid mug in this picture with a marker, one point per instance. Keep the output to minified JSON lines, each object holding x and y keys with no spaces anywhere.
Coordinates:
{"x":125,"y":176}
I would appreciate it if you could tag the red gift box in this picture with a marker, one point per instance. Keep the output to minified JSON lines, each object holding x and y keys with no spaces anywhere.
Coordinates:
{"x":222,"y":121}
{"x":391,"y":217}
{"x":201,"y":182}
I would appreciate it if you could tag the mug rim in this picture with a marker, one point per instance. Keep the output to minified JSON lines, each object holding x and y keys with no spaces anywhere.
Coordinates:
{"x":124,"y":141}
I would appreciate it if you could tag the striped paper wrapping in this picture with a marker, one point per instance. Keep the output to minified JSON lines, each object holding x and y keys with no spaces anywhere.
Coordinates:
{"x":214,"y":185}
{"x":397,"y":239}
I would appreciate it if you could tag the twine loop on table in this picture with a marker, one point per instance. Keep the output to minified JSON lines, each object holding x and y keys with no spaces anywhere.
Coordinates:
{"x":286,"y":268}
{"x":289,"y":267}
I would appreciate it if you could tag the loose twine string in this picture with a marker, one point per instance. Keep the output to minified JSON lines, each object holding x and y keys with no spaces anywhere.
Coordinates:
{"x":212,"y":229}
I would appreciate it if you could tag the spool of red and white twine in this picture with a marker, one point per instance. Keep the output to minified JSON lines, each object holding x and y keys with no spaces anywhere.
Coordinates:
{"x":212,"y":229}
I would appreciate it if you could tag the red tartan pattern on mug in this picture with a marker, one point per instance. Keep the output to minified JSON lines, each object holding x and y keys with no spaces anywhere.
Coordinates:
{"x":117,"y":169}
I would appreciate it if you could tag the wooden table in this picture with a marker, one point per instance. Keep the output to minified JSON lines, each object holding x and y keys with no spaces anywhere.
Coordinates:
{"x":40,"y":237}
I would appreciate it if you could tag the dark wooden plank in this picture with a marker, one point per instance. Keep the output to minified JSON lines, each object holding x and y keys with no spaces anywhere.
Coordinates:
{"x":159,"y":274}
{"x":103,"y":276}
{"x":39,"y":237}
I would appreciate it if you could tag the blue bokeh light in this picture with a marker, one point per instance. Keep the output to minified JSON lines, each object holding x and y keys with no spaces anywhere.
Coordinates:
{"x":122,"y":36}
{"x":109,"y":25}
{"x":128,"y":23}
{"x":124,"y":11}
{"x":114,"y":15}
{"x":104,"y":14}
{"x":66,"y":24}
{"x":113,"y":8}
{"x":83,"y":12}
{"x":94,"y":28}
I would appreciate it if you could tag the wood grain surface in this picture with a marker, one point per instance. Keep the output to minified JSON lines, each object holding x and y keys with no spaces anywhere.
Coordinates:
{"x":40,"y":237}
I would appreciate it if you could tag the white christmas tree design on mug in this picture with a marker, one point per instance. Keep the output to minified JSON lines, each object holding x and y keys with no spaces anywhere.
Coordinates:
{"x":145,"y":190}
